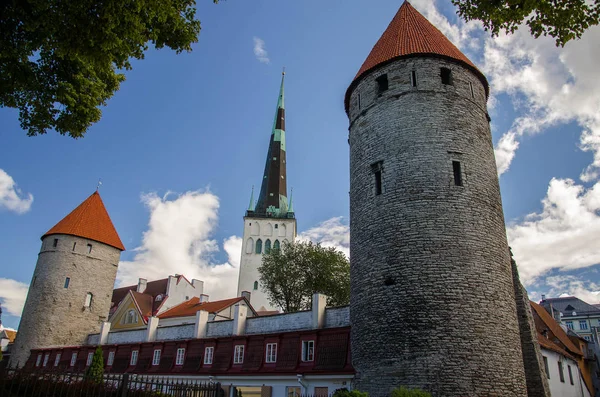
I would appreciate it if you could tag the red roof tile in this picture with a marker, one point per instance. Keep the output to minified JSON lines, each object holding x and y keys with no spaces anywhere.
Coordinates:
{"x":410,"y":34}
{"x":89,"y":220}
{"x":144,"y":303}
{"x":190,"y":307}
{"x":554,"y":328}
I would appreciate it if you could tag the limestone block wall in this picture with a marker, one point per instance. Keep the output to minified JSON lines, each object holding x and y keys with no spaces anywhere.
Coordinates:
{"x":116,"y":337}
{"x":432,"y":299}
{"x":219,"y":328}
{"x":337,"y":317}
{"x":55,"y":314}
{"x":175,"y":332}
{"x":279,"y":323}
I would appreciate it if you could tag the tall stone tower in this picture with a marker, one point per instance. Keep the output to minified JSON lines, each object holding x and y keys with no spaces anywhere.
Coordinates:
{"x":432,"y":299}
{"x":70,"y":292}
{"x":270,"y":222}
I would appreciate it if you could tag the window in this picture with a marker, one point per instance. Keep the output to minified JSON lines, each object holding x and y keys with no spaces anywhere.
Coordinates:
{"x":308,"y":350}
{"x":134,"y":357}
{"x":359,"y":101}
{"x":293,"y":391}
{"x":276,"y":245}
{"x":208,"y":355}
{"x":377,"y":169}
{"x":583,"y":324}
{"x":382,"y":83}
{"x":570,"y":375}
{"x":158,"y":298}
{"x":560,"y":372}
{"x":267,"y":246}
{"x":46,"y":357}
{"x":413,"y":78}
{"x":446,"y":75}
{"x":88,"y":299}
{"x":546,"y":366}
{"x":73,"y":359}
{"x":321,"y":392}
{"x":55,"y":243}
{"x":471,"y":88}
{"x":38,"y":360}
{"x":258,"y":246}
{"x":255,"y":285}
{"x":90,"y":357}
{"x":457,"y":173}
{"x":180,"y":358}
{"x":238,"y":355}
{"x":271,"y":355}
{"x":588,"y":338}
{"x":156,"y":357}
{"x":74,"y":245}
{"x":131,"y":317}
{"x":111,"y":358}
{"x":89,"y":248}
{"x":67,"y":281}
{"x":569,"y":324}
{"x":276,"y":226}
{"x":57,"y":359}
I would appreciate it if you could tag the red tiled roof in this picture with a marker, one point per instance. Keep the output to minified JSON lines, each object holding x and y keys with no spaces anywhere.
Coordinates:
{"x":153,"y":288}
{"x":410,"y":34}
{"x":190,"y":307}
{"x":89,"y":220}
{"x":554,"y":328}
{"x":548,"y":344}
{"x":144,"y":302}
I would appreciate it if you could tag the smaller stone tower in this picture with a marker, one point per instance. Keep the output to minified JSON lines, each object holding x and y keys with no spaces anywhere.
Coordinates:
{"x":272,"y":221}
{"x":70,"y":292}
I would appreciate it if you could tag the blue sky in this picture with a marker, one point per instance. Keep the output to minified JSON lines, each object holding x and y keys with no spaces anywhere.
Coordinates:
{"x":182,"y":142}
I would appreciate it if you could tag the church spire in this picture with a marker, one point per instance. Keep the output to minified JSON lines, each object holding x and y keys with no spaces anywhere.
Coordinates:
{"x":272,"y":200}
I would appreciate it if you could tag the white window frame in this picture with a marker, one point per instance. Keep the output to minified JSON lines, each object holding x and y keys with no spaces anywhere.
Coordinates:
{"x":57,"y":359}
{"x":73,"y":359}
{"x":238,"y":355}
{"x":209,"y":352}
{"x":134,"y":357}
{"x":271,"y":353}
{"x":308,"y":350}
{"x":38,"y":360}
{"x":583,"y":325}
{"x":111,"y":358}
{"x":88,"y":299}
{"x":569,"y":324}
{"x":90,"y":357}
{"x":156,"y":357}
{"x":46,"y":358}
{"x":180,"y":358}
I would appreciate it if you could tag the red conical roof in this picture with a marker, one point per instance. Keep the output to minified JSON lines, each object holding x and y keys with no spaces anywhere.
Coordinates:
{"x":89,"y":220}
{"x":411,"y":34}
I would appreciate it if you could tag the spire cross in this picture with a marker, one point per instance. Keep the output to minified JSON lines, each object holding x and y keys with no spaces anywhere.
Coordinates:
{"x":283,"y":73}
{"x":99,"y":184}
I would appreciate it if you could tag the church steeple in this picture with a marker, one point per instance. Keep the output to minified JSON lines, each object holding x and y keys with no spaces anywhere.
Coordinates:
{"x":273,"y":201}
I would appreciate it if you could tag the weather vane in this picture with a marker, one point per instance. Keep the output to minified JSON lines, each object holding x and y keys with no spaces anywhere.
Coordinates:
{"x":283,"y":73}
{"x":99,"y":184}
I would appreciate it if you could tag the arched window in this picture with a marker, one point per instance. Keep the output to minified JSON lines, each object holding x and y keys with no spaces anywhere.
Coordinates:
{"x":131,"y":317}
{"x":268,"y":230}
{"x":255,"y":285}
{"x":255,"y":228}
{"x":259,"y":246}
{"x":282,"y":231}
{"x":267,"y":246}
{"x":88,"y":299}
{"x":276,"y":245}
{"x":249,"y":245}
{"x":159,"y":298}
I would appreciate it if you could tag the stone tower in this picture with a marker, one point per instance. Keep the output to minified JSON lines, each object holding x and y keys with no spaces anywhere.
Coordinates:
{"x":70,"y":292}
{"x":432,"y":298}
{"x":270,"y":222}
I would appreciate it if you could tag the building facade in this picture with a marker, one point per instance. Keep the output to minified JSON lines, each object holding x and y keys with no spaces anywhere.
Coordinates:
{"x":428,"y":250}
{"x":576,"y":314}
{"x":270,"y":222}
{"x":70,"y":291}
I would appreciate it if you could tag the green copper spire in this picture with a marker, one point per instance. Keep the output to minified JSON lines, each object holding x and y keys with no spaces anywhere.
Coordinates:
{"x":291,"y":204}
{"x":279,"y":122}
{"x":251,"y":205}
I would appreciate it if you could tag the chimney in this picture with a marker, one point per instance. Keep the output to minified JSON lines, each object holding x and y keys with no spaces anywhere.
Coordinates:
{"x":203,"y":298}
{"x":246,"y":294}
{"x":142,"y":283}
{"x":543,"y":297}
{"x":198,"y":285}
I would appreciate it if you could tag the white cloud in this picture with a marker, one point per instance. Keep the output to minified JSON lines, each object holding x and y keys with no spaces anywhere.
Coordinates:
{"x":179,"y":241}
{"x":11,"y":197}
{"x":569,"y":285}
{"x":12,"y":296}
{"x":333,"y":232}
{"x":260,"y":51}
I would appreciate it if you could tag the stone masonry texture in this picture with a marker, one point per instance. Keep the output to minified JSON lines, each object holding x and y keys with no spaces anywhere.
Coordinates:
{"x":535,"y":373}
{"x":56,"y":316}
{"x":432,"y":299}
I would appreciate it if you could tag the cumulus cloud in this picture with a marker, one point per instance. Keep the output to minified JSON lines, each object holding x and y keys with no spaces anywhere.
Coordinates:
{"x":260,"y":50}
{"x":333,"y":232}
{"x":179,"y":241}
{"x":570,"y":285}
{"x":12,"y":296}
{"x":11,"y":197}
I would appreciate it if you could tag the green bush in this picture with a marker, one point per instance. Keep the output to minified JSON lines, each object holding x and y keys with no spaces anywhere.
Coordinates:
{"x":347,"y":393}
{"x":404,"y":392}
{"x":95,"y":372}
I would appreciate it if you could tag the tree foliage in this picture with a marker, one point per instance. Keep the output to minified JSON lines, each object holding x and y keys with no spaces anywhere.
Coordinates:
{"x":61,"y":60}
{"x":564,"y":20}
{"x":291,"y":275}
{"x":95,"y":372}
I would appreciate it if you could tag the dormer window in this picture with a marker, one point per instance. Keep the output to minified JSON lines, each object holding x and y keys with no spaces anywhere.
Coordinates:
{"x":382,"y":83}
{"x":159,"y":298}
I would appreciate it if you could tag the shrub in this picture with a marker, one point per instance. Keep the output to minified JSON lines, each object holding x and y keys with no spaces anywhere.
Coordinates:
{"x":404,"y":392}
{"x":347,"y":393}
{"x":95,"y":372}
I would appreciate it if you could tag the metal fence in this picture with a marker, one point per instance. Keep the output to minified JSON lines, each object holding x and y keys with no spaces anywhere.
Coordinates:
{"x":27,"y":383}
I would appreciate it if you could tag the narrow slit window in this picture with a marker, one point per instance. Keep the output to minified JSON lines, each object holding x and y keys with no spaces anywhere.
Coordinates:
{"x":377,"y":169}
{"x":55,"y":243}
{"x":382,"y":83}
{"x":457,"y":173}
{"x":446,"y":75}
{"x":74,"y":245}
{"x":89,"y":248}
{"x":67,"y":281}
{"x":88,"y":299}
{"x":413,"y":78}
{"x":471,"y":88}
{"x":359,"y":101}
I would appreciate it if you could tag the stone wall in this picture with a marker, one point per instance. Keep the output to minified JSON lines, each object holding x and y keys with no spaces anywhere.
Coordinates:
{"x":337,"y":317}
{"x":56,"y":316}
{"x":279,"y":323}
{"x":116,"y":337}
{"x":432,"y":299}
{"x":175,"y":332}
{"x":219,"y":328}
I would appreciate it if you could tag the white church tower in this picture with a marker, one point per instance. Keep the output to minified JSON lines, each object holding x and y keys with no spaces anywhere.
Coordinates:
{"x":271,"y":222}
